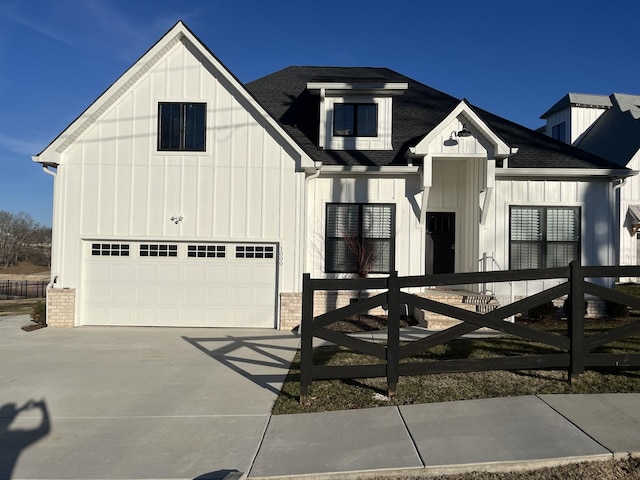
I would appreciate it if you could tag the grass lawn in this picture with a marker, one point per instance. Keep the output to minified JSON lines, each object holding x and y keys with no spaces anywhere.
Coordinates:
{"x":329,"y":395}
{"x":18,"y":307}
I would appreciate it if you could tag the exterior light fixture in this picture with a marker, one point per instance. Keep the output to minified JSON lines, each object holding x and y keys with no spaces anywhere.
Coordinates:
{"x":464,"y":132}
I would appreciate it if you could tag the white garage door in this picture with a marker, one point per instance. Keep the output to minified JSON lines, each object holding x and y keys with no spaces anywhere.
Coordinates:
{"x":179,"y":284}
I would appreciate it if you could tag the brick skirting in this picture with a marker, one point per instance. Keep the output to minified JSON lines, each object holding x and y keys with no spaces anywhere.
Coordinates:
{"x":291,"y":305}
{"x":61,"y":306}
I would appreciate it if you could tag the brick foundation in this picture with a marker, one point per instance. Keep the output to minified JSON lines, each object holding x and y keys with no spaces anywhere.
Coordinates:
{"x":291,"y":305}
{"x":61,"y":305}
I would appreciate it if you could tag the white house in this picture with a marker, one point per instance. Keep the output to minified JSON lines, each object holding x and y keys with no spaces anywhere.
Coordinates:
{"x":608,"y":126}
{"x":183,"y":197}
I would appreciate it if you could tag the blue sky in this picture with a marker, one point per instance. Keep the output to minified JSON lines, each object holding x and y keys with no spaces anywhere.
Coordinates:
{"x":514,"y":59}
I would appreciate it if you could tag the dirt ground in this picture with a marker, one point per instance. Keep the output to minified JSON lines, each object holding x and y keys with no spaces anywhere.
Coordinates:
{"x":25,"y":271}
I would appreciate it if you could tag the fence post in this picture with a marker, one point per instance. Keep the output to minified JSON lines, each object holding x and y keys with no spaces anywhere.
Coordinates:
{"x":306,"y":344}
{"x":393,"y":333}
{"x":576,"y":321}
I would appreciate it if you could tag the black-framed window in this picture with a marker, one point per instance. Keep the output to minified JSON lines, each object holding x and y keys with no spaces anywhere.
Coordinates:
{"x":559,"y":132}
{"x":355,"y":120}
{"x":543,"y":237}
{"x":182,"y":126}
{"x":360,"y":238}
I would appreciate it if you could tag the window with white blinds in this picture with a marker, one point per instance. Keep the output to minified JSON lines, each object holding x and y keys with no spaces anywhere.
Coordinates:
{"x":543,"y":237}
{"x":359,"y":238}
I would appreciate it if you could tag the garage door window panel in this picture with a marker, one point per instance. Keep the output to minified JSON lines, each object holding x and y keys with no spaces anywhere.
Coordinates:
{"x":109,"y":250}
{"x":158,"y":250}
{"x":206,"y":251}
{"x":254,"y":251}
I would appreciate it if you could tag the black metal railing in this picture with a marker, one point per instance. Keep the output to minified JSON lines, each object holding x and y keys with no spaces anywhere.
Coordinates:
{"x":574,"y":350}
{"x":23,"y":288}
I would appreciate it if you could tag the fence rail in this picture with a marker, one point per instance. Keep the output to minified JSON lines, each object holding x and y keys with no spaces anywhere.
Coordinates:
{"x":23,"y":288}
{"x":575,"y":349}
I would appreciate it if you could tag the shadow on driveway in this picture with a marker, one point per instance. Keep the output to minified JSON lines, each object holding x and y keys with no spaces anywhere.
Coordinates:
{"x":248,"y":355}
{"x":14,"y":441}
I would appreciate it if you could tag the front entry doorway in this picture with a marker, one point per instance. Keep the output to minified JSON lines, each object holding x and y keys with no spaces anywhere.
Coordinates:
{"x":440,"y":244}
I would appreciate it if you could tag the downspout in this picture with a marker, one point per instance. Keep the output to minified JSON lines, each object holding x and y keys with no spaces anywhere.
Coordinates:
{"x":54,"y":279}
{"x":305,"y":240}
{"x":617,"y":184}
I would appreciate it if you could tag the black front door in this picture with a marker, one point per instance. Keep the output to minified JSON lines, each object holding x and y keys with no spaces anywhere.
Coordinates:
{"x":441,"y":238}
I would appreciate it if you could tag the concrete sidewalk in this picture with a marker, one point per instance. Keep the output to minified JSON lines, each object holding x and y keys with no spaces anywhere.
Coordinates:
{"x":491,"y":434}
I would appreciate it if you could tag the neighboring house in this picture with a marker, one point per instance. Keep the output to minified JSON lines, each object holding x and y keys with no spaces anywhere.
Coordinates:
{"x":183,"y":197}
{"x":607,"y":126}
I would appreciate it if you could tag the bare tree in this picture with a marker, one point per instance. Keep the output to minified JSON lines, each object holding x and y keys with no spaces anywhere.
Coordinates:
{"x":22,"y":238}
{"x":365,"y":254}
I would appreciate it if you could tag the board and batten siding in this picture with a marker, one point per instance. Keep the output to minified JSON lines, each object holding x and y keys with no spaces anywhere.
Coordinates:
{"x":115,"y":184}
{"x":454,"y":180}
{"x":403,"y":191}
{"x":595,"y":199}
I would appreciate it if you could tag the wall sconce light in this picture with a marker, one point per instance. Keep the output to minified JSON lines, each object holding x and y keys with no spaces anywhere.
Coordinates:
{"x":464,"y":132}
{"x":453,"y":137}
{"x":451,"y":141}
{"x":177,"y":219}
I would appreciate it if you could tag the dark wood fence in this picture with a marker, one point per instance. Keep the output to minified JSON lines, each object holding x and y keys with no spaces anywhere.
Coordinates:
{"x":23,"y":288}
{"x":575,"y":349}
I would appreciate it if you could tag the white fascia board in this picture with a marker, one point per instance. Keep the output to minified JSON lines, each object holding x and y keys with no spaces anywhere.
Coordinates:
{"x":365,"y":170}
{"x":343,"y":88}
{"x":501,"y":148}
{"x":51,"y":154}
{"x":563,"y":173}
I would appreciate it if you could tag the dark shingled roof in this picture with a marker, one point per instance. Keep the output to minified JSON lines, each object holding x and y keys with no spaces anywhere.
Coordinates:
{"x":421,"y":108}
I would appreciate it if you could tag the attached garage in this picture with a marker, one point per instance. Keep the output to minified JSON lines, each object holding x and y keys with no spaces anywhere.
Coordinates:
{"x":179,"y":284}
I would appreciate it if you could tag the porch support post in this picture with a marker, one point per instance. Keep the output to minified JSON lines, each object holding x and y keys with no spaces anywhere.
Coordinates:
{"x":427,"y":182}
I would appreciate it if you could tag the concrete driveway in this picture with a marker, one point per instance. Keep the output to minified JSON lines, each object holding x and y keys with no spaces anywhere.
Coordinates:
{"x":136,"y":402}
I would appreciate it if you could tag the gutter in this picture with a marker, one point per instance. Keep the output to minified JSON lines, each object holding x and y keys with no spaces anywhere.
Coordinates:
{"x":366,"y":170}
{"x":565,"y":172}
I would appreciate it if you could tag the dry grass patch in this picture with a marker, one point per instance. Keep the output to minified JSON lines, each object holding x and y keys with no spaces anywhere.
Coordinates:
{"x":18,"y":307}
{"x":330,"y":395}
{"x":627,"y":469}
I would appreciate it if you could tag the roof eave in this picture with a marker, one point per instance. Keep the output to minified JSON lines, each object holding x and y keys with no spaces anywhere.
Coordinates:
{"x":565,"y":172}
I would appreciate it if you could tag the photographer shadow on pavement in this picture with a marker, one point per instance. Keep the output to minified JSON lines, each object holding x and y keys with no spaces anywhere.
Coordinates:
{"x":14,"y":440}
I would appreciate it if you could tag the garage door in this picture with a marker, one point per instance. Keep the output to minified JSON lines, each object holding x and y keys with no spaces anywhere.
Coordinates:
{"x":179,"y":284}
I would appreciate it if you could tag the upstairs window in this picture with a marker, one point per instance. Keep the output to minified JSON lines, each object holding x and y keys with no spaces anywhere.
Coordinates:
{"x":182,"y":126}
{"x":360,"y":238}
{"x":559,"y":132}
{"x":355,"y":120}
{"x":544,"y":237}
